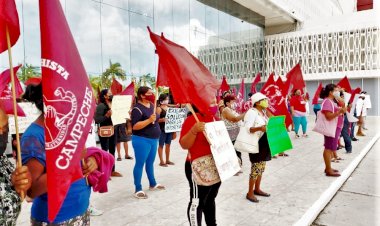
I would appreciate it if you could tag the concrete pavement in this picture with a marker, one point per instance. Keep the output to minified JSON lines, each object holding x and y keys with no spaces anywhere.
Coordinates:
{"x":358,"y":201}
{"x":295,"y":183}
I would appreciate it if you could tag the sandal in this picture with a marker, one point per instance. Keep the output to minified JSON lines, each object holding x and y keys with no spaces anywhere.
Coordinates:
{"x":169,"y":163}
{"x":158,"y":187}
{"x":118,"y":159}
{"x":252,"y":199}
{"x":334,"y":160}
{"x":140,"y":195}
{"x":163,"y":165}
{"x":128,"y":157}
{"x":283,"y":154}
{"x":339,"y":158}
{"x":261,"y":193}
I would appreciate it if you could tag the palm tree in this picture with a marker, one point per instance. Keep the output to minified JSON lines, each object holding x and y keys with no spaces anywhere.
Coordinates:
{"x":95,"y":81}
{"x":28,"y":71}
{"x":114,"y":71}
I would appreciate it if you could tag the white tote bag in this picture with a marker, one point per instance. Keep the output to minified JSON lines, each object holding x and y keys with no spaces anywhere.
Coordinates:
{"x":247,"y":141}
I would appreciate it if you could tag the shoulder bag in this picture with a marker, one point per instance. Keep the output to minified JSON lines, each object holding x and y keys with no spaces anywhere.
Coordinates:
{"x":247,"y":141}
{"x":204,"y":170}
{"x":324,"y":126}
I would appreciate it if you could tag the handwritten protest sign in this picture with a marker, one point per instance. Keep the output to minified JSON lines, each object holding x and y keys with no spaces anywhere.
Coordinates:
{"x":174,"y":119}
{"x":31,"y":113}
{"x":121,"y":105}
{"x":222,"y":150}
{"x":278,"y":137}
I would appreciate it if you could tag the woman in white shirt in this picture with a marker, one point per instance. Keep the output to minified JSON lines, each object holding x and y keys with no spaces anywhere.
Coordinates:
{"x":256,"y":120}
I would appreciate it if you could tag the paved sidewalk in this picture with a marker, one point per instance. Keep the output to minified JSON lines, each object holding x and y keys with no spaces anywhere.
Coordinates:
{"x":295,"y":183}
{"x":358,"y":201}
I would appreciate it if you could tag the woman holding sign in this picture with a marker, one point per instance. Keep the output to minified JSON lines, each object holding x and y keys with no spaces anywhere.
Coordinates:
{"x":202,"y":198}
{"x":256,"y":120}
{"x":165,"y":138}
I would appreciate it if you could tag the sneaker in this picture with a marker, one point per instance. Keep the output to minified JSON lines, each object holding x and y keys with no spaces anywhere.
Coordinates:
{"x":354,"y":139}
{"x":94,"y":212}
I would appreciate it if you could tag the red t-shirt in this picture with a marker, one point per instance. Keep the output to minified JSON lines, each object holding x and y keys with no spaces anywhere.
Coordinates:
{"x":201,"y":147}
{"x":298,"y":103}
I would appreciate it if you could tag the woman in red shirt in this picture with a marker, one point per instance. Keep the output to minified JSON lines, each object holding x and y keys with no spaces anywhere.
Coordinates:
{"x":193,"y":139}
{"x":298,"y":110}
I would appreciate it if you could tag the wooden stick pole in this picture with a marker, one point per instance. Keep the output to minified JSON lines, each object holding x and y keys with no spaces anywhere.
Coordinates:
{"x":197,"y":119}
{"x":19,"y":163}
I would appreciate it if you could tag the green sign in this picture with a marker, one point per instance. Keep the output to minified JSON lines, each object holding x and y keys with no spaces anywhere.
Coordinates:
{"x":278,"y":137}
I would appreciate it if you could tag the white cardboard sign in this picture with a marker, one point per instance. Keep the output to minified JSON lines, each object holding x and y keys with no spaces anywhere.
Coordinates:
{"x":174,"y":119}
{"x":121,"y":105}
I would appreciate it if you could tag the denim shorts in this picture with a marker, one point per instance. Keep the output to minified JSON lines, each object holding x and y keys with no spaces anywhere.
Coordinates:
{"x":165,"y":138}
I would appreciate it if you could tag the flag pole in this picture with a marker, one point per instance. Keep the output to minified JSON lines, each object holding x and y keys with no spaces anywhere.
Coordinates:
{"x":196,"y":119}
{"x":19,"y":163}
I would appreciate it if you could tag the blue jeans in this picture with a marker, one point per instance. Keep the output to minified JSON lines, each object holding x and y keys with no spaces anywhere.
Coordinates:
{"x":346,"y":136}
{"x":300,"y":121}
{"x":145,"y":153}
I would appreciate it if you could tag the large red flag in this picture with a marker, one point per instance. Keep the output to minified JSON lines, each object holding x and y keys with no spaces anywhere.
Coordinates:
{"x":277,"y":101}
{"x":129,"y":90}
{"x":5,"y":79}
{"x":255,"y":82}
{"x":317,"y":92}
{"x":345,"y":84}
{"x":240,"y":98}
{"x":294,"y":80}
{"x":69,"y":104}
{"x":116,"y":87}
{"x":8,"y":18}
{"x":189,"y":80}
{"x":7,"y":105}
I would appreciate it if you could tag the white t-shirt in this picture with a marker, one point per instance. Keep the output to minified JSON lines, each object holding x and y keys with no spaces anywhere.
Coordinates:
{"x":253,"y":119}
{"x":91,"y":138}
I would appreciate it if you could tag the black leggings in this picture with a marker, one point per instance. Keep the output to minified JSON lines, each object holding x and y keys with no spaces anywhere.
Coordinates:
{"x":108,"y":144}
{"x":206,"y":195}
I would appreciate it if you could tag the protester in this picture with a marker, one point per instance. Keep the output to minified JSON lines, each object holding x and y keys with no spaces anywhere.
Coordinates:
{"x":146,"y":132}
{"x":361,"y":113}
{"x":13,"y":182}
{"x":317,"y":107}
{"x":256,"y":120}
{"x":34,"y":156}
{"x":232,"y":120}
{"x":192,"y":138}
{"x":298,"y":110}
{"x":221,"y":102}
{"x":123,"y":135}
{"x":103,"y":118}
{"x":346,"y":130}
{"x":331,"y":111}
{"x":165,"y":138}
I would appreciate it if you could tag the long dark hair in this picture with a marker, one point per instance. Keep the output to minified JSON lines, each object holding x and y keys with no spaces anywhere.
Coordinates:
{"x":101,"y":96}
{"x":326,"y":90}
{"x":161,"y":98}
{"x":33,"y":93}
{"x":142,"y":91}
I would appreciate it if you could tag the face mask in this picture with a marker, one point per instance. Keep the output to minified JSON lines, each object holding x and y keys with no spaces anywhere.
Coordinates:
{"x":264,"y":103}
{"x":3,"y":142}
{"x":166,"y":102}
{"x":150,"y":98}
{"x":213,"y":110}
{"x":336,"y":94}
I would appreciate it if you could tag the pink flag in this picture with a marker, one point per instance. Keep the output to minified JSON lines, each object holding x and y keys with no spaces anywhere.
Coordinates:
{"x":240,"y":98}
{"x":317,"y":92}
{"x":5,"y":79}
{"x":69,"y":104}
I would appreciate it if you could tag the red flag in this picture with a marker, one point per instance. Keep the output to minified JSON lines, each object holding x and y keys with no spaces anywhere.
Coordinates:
{"x":240,"y":98}
{"x":255,"y":82}
{"x":33,"y":81}
{"x":345,"y":84}
{"x":294,"y":80}
{"x":317,"y":92}
{"x":69,"y":104}
{"x":5,"y":79}
{"x":7,"y":105}
{"x":129,"y":90}
{"x":277,"y":101}
{"x":116,"y":87}
{"x":353,"y":93}
{"x":8,"y":18}
{"x":224,"y":87}
{"x":189,"y":80}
